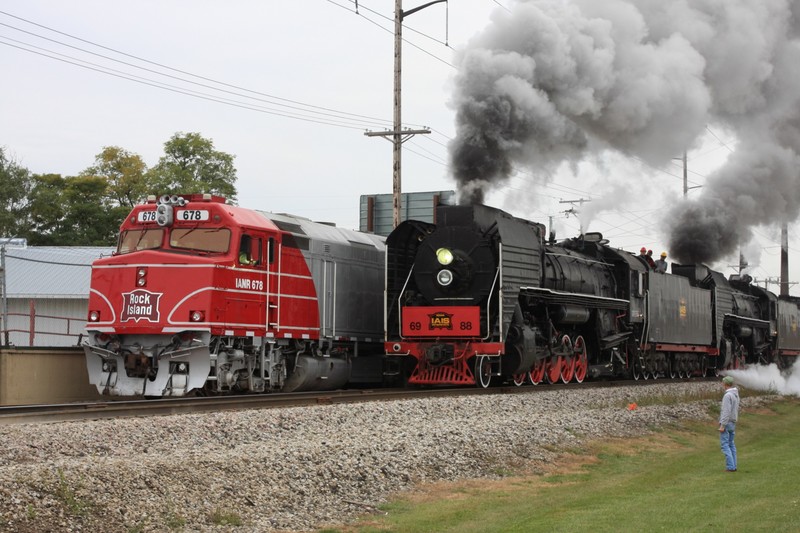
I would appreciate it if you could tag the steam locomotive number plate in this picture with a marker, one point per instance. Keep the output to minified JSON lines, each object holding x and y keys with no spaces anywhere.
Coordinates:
{"x":446,"y":321}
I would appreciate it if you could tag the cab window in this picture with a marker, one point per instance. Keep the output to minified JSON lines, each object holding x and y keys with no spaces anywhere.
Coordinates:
{"x":213,"y":240}
{"x":140,"y":239}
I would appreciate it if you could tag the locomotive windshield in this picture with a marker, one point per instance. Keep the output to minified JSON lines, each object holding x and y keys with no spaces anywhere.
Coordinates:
{"x":206,"y":240}
{"x":140,"y":239}
{"x":215,"y":240}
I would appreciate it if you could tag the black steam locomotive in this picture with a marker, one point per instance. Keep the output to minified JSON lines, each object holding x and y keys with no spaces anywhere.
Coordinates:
{"x":481,"y":295}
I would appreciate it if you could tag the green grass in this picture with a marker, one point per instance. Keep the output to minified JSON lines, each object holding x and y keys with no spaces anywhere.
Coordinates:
{"x":670,"y":481}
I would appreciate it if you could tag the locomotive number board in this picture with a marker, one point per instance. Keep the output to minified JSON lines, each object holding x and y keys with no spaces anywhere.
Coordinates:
{"x":446,"y":321}
{"x":146,"y":216}
{"x":191,"y":214}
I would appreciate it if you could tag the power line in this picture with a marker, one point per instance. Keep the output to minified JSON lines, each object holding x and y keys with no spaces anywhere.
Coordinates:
{"x":159,"y":85}
{"x":171,"y":68}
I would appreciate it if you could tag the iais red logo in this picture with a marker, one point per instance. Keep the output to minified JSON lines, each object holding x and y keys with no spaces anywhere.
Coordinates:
{"x":140,"y":305}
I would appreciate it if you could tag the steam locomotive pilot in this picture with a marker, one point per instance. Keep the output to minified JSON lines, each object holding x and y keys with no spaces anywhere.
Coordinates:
{"x":661,"y":264}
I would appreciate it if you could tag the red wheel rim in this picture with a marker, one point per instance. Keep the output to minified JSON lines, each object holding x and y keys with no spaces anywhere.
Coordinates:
{"x":581,"y":359}
{"x":567,"y":368}
{"x":553,"y":370}
{"x":519,"y":379}
{"x":567,"y":360}
{"x":537,"y":373}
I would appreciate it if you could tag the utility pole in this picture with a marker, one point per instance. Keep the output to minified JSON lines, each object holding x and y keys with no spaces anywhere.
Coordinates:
{"x":398,"y":135}
{"x":686,"y":187}
{"x":573,"y":211}
{"x":784,"y":260}
{"x":685,"y":175}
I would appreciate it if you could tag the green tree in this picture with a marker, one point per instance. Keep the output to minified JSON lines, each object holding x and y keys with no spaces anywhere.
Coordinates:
{"x":125,"y":173}
{"x":15,"y":185}
{"x":192,"y":165}
{"x":47,"y":211}
{"x":73,"y":211}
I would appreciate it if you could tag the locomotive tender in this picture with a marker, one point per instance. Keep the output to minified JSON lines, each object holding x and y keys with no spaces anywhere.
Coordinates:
{"x":202,"y":295}
{"x":482,"y":295}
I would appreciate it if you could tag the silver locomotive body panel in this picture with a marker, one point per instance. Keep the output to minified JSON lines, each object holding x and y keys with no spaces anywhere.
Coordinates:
{"x":347,"y":268}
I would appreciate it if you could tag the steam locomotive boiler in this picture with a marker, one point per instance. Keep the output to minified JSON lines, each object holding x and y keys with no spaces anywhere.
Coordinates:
{"x":202,"y":295}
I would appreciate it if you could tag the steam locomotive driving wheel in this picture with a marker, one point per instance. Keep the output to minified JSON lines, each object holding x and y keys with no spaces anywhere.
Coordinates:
{"x":483,"y":371}
{"x":581,"y":359}
{"x":537,"y":372}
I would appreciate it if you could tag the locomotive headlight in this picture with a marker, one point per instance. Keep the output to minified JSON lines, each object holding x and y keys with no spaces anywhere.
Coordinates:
{"x":444,"y":256}
{"x":444,"y":277}
{"x":196,"y":316}
{"x":94,"y":316}
{"x":141,"y":277}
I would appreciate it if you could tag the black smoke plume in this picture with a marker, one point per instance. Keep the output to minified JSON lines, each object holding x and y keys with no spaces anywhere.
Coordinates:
{"x":555,"y":81}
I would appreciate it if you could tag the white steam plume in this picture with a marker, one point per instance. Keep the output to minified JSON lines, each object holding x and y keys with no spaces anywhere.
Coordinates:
{"x":769,"y":379}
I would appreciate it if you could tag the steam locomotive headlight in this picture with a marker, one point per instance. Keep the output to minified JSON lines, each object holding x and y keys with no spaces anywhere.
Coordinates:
{"x":444,"y":277}
{"x":444,"y":256}
{"x":94,"y":316}
{"x":196,"y":316}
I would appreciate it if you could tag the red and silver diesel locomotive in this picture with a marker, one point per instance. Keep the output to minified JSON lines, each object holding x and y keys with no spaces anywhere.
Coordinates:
{"x":202,"y":295}
{"x":482,"y":296}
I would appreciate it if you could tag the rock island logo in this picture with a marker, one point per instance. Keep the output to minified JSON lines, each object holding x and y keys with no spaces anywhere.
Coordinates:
{"x":440,"y":320}
{"x":140,"y":305}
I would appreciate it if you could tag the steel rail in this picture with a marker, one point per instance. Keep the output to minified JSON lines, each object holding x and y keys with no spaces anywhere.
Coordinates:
{"x":104,"y":409}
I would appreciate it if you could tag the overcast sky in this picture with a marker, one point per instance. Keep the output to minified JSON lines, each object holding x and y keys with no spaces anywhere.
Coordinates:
{"x":313,"y":59}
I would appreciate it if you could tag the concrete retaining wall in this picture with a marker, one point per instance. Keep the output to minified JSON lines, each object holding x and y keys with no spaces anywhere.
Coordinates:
{"x":44,"y":375}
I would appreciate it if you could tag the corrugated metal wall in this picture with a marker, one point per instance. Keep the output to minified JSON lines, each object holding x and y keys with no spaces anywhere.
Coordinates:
{"x":64,"y":331}
{"x":377,"y":212}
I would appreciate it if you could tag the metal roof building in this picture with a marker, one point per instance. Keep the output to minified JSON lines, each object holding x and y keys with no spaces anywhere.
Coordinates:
{"x":44,"y":292}
{"x":377,"y":210}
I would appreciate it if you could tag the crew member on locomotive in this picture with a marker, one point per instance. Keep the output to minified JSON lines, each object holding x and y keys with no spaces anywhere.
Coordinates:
{"x":661,"y":263}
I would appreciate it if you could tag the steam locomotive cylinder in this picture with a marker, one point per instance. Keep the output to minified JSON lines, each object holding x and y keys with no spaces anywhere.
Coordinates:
{"x":570,"y":314}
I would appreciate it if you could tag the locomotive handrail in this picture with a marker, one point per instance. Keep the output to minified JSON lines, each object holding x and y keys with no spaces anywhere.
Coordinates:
{"x":754,"y":321}
{"x":578,"y":258}
{"x":399,"y":306}
{"x":585,"y":299}
{"x":489,"y":303}
{"x":646,"y":336}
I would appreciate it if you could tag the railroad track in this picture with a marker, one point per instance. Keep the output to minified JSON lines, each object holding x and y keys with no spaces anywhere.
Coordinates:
{"x":204,"y":404}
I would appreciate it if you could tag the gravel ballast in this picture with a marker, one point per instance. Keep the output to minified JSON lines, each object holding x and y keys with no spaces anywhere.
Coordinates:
{"x":295,"y":469}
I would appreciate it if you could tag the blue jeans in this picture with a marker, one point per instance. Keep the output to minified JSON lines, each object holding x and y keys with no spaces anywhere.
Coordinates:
{"x":728,"y":446}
